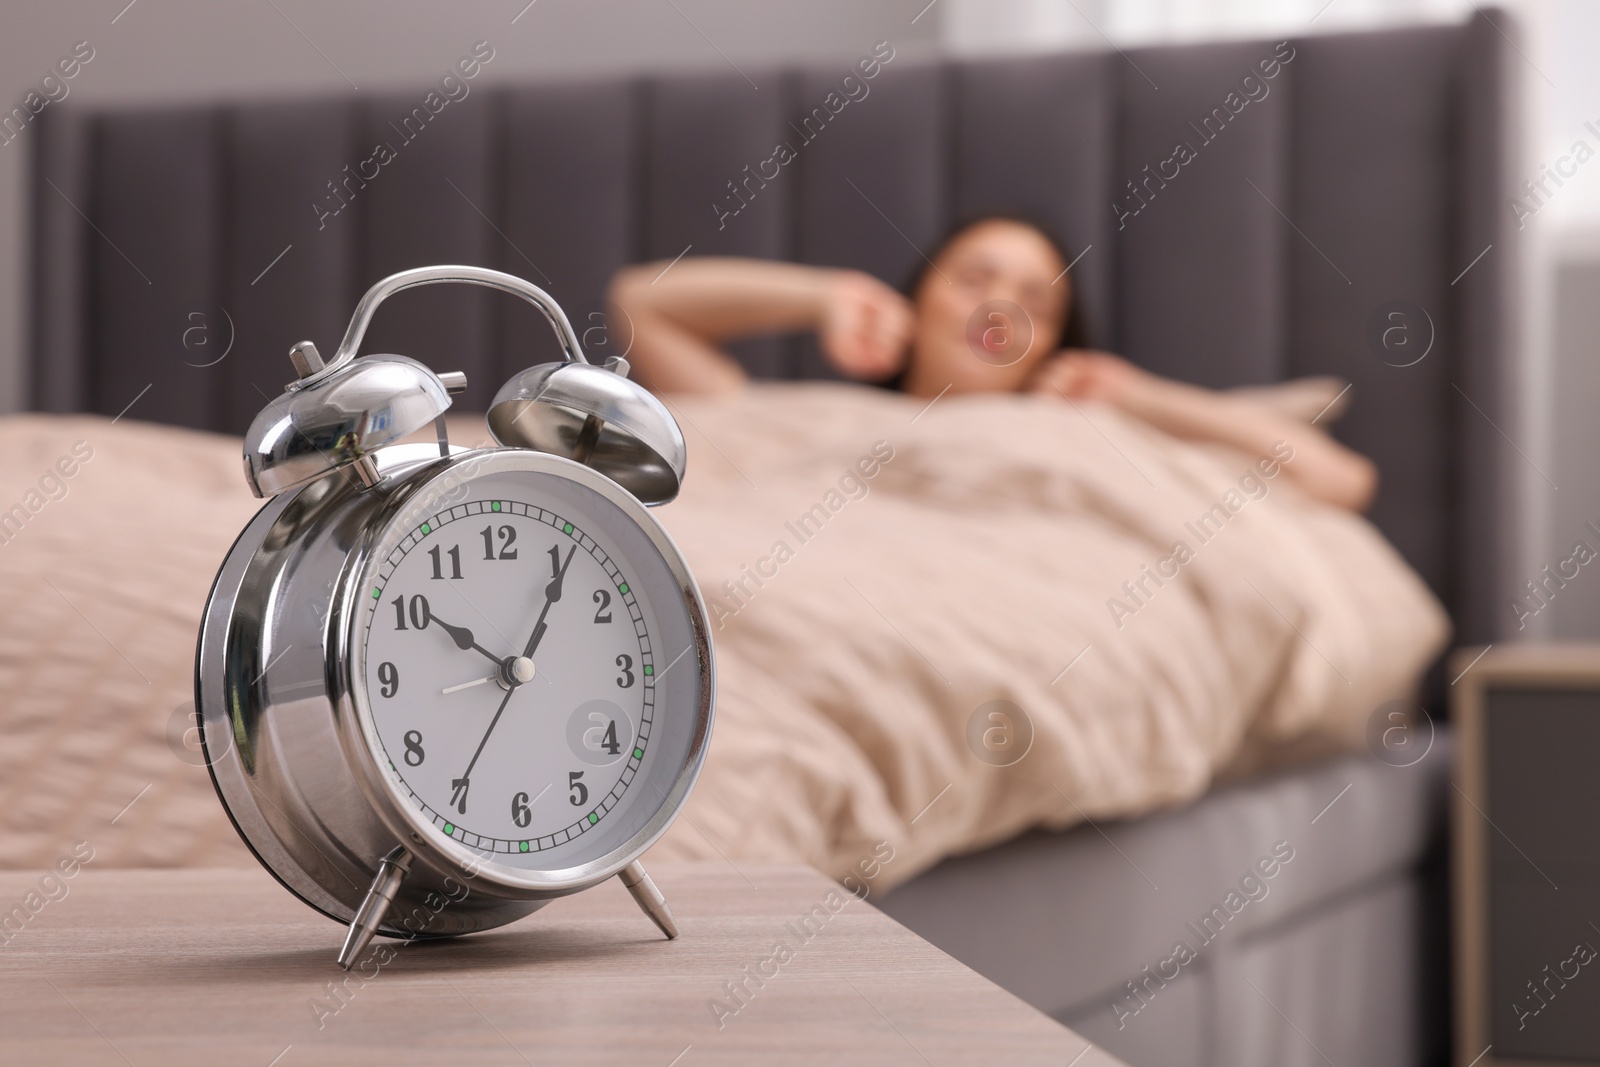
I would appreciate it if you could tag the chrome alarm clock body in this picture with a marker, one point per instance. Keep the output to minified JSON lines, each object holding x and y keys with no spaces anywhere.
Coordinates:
{"x":372,"y":550}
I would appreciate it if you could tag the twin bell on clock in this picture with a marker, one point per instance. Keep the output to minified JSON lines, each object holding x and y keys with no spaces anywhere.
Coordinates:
{"x":439,"y":687}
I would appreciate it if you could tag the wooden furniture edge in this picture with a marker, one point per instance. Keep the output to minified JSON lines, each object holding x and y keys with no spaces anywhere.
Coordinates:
{"x":1530,"y":665}
{"x":1536,"y":663}
{"x":1469,"y":865}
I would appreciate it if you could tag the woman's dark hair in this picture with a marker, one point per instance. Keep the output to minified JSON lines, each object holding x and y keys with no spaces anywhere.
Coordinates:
{"x":1074,"y":329}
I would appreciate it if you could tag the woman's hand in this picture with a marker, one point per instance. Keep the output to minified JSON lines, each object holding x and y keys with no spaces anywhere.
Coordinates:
{"x":682,"y":312}
{"x":1081,"y":374}
{"x":1320,"y":465}
{"x":865,"y":326}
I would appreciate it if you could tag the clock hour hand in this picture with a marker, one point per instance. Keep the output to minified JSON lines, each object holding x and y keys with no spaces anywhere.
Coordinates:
{"x":463,"y":638}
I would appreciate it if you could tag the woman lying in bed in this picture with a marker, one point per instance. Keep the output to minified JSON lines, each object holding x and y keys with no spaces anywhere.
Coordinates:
{"x":939,"y":341}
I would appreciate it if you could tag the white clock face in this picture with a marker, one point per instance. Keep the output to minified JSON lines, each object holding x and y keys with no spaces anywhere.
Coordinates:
{"x":521,"y":637}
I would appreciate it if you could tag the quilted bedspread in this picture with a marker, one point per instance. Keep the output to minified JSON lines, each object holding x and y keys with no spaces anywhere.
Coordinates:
{"x":935,"y":626}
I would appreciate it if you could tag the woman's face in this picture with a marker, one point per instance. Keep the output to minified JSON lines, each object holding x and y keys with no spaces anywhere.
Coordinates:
{"x":988,"y":311}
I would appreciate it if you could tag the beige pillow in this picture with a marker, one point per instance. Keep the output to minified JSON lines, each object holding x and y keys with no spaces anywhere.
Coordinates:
{"x":1321,"y":400}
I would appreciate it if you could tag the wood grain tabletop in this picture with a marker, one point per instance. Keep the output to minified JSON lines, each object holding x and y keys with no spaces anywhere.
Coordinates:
{"x":775,"y":965}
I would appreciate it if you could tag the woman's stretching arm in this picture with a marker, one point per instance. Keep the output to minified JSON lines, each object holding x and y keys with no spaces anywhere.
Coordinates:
{"x":1322,"y":466}
{"x":680,"y":313}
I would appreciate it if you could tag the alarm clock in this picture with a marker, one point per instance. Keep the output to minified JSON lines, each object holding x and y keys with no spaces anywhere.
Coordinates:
{"x":439,"y":687}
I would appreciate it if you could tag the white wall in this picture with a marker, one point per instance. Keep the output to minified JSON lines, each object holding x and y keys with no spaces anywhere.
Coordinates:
{"x":977,"y":26}
{"x":1560,"y":248}
{"x":197,"y":50}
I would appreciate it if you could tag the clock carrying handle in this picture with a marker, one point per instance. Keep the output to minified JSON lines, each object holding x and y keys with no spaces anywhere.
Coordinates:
{"x":410,"y":279}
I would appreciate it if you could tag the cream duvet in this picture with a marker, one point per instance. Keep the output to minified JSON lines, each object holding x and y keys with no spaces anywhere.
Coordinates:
{"x":935,"y":627}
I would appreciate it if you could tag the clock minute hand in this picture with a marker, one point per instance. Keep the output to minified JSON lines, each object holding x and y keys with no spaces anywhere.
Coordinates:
{"x":552,"y":593}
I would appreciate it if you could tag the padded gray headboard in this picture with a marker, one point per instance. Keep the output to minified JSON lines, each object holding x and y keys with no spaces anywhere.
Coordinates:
{"x":1373,"y":170}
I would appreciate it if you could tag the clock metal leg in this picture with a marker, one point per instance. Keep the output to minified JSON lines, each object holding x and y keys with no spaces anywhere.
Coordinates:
{"x":648,"y":897}
{"x":392,"y":870}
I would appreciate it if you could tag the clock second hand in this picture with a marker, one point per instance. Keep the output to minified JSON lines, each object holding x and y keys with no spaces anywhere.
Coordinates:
{"x":520,"y":669}
{"x":552,"y":593}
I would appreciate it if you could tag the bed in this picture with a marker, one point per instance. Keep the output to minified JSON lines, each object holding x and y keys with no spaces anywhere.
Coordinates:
{"x":1355,"y":183}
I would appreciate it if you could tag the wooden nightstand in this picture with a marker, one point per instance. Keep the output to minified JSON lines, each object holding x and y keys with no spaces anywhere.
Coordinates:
{"x":211,"y":966}
{"x":1527,"y":855}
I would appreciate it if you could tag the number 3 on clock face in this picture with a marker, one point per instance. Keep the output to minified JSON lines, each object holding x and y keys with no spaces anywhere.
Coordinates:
{"x":514,"y":649}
